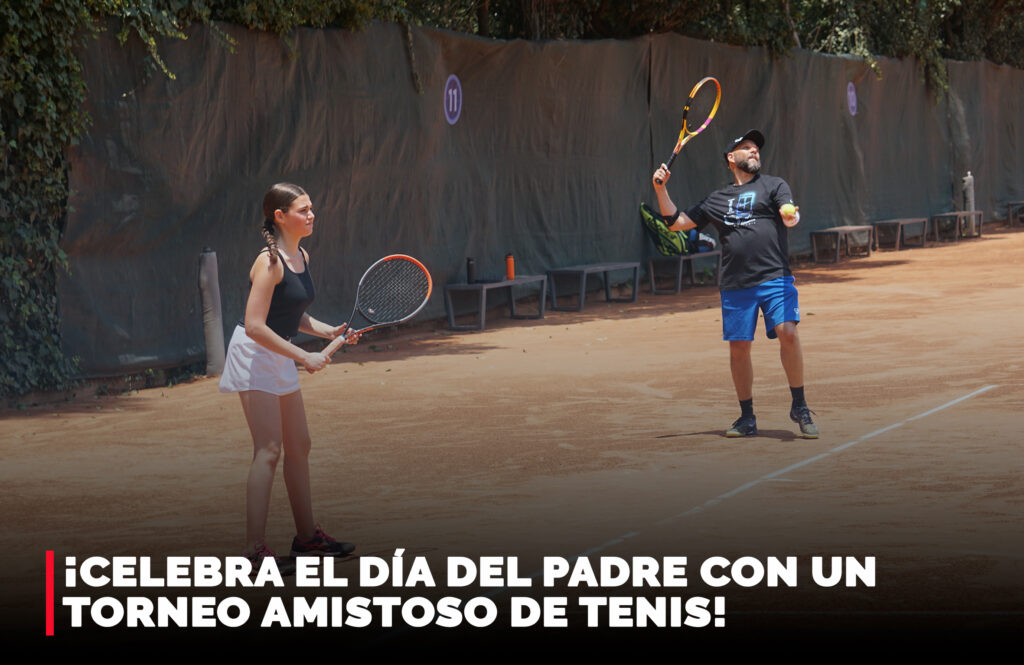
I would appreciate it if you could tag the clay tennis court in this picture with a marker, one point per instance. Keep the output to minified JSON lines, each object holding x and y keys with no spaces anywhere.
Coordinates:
{"x":602,"y":432}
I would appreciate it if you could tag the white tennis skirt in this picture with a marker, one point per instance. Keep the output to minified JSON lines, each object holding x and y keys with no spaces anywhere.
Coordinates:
{"x":250,"y":366}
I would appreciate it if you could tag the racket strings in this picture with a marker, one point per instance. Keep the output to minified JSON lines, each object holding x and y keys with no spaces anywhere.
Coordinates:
{"x":392,"y":290}
{"x":702,"y":105}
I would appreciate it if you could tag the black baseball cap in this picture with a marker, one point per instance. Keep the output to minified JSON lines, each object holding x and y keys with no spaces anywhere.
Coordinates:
{"x":753,"y":135}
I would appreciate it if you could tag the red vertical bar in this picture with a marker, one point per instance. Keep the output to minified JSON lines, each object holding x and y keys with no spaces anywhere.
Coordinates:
{"x":49,"y":592}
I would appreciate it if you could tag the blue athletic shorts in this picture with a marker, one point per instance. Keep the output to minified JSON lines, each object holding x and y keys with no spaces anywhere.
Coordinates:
{"x":777,"y":298}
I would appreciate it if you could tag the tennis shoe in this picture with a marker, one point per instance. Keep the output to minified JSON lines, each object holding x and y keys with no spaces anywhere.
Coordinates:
{"x":321,"y":545}
{"x":802,"y":416}
{"x":745,"y":426}
{"x":285,"y":566}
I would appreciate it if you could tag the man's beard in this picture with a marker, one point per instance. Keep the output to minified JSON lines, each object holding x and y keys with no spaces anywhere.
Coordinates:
{"x":749,"y":165}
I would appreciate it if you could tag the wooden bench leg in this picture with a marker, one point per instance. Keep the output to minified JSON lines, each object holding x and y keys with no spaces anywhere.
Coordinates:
{"x":481,"y":316}
{"x":582,"y":293}
{"x":451,"y":309}
{"x":540,"y":304}
{"x":692,"y":260}
{"x":483,"y":308}
{"x":651,"y":263}
{"x":511,"y":303}
{"x":608,"y":290}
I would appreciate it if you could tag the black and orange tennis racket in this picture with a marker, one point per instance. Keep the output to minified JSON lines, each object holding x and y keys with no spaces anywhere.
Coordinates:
{"x":702,"y":103}
{"x":391,"y":291}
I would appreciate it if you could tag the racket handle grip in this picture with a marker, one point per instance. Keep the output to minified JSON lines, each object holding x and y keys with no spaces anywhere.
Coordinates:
{"x":668,"y":165}
{"x":335,"y":344}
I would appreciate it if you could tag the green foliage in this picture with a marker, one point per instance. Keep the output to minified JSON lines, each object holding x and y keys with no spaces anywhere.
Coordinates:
{"x":910,"y":28}
{"x":926,"y":30}
{"x":747,"y":23}
{"x":146,"y":20}
{"x":992,"y":29}
{"x":42,"y":92}
{"x":283,"y":16}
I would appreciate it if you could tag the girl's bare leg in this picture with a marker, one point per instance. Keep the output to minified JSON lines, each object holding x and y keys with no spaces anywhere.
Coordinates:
{"x":263,"y":414}
{"x":296,"y":463}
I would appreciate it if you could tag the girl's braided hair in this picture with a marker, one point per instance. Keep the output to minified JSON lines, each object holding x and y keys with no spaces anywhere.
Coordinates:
{"x":278,"y":197}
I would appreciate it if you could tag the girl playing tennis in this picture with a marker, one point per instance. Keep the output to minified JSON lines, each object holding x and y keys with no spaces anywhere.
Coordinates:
{"x":260,"y":367}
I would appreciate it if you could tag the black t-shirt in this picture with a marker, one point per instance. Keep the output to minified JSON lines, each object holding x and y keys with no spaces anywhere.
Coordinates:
{"x":755,"y":244}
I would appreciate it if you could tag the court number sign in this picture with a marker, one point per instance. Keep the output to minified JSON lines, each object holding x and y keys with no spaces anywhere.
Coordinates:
{"x":452,"y":99}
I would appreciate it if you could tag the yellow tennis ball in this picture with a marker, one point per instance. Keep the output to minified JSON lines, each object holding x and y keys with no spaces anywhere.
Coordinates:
{"x":788,"y":210}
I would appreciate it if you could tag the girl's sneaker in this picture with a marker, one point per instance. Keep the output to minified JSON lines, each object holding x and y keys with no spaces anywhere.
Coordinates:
{"x":321,"y":545}
{"x":285,"y":566}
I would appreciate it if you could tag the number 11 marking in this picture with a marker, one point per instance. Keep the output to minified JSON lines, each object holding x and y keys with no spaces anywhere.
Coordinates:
{"x":452,"y":99}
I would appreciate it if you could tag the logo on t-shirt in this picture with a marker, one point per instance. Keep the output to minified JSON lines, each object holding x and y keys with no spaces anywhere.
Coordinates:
{"x":743,"y":212}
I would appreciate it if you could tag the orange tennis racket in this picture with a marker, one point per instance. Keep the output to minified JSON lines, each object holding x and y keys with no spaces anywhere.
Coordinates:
{"x":702,"y":104}
{"x":391,"y":291}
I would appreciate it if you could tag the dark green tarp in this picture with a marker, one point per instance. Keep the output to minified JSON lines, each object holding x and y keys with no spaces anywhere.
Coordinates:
{"x":549,"y":159}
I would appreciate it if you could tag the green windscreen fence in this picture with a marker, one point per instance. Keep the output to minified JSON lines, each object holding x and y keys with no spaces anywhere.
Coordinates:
{"x":539,"y":149}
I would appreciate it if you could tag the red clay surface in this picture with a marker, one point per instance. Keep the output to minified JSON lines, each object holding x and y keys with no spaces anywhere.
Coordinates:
{"x":604,"y":429}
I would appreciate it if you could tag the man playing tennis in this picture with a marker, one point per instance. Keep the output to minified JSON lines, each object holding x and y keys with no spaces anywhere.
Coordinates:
{"x":749,"y":216}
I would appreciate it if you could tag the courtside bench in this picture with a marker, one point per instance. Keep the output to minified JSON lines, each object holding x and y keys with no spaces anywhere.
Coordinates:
{"x":840,"y":235}
{"x":481,"y":288}
{"x":580,"y":273}
{"x":897,"y":229}
{"x":677,"y":262}
{"x":1013,"y":212}
{"x":963,"y":219}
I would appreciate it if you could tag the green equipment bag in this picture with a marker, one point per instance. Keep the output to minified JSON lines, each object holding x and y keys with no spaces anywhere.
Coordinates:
{"x":669,"y":243}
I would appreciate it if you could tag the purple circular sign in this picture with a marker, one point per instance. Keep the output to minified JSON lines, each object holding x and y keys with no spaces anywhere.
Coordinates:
{"x":851,"y":98}
{"x":452,"y":99}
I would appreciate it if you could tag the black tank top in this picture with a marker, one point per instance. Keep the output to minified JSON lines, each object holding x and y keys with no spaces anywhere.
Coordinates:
{"x":292,"y":295}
